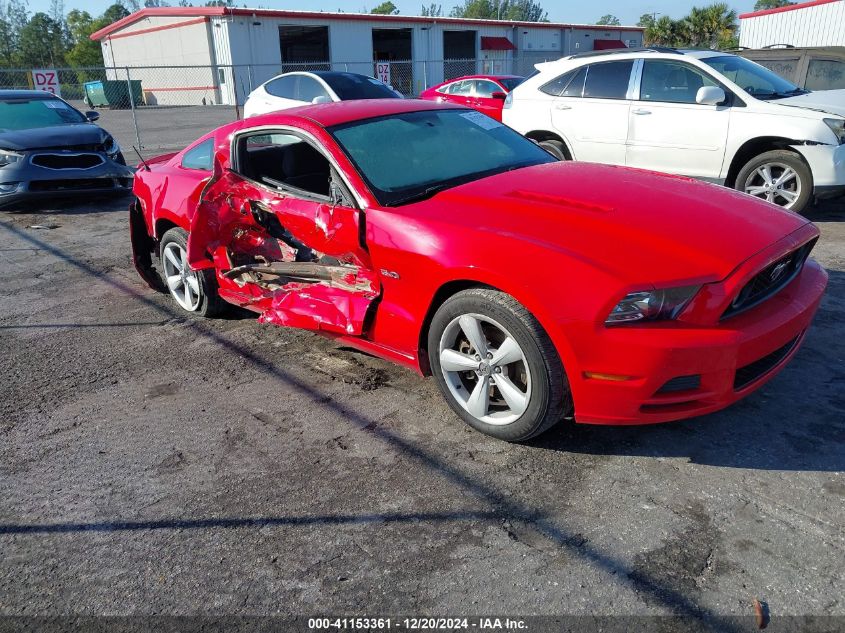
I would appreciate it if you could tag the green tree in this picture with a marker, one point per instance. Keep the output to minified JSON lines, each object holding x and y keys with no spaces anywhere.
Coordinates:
{"x":115,"y":12}
{"x":646,"y":20}
{"x":609,"y":20}
{"x":510,"y":10}
{"x":42,"y":42}
{"x":762,"y":5}
{"x":662,"y":32}
{"x":432,"y":11}
{"x":385,"y":8}
{"x":13,"y":17}
{"x":83,"y":51}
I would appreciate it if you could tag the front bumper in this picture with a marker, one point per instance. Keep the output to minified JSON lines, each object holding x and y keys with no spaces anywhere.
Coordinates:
{"x":24,"y":181}
{"x":730,"y":359}
{"x":827,"y":163}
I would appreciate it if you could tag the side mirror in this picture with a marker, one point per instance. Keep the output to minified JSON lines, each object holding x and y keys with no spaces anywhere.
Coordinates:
{"x":92,"y":116}
{"x":499,"y":95}
{"x":321,"y":99}
{"x":710,"y":95}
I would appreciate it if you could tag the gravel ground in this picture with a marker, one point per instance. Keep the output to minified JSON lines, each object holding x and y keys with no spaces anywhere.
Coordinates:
{"x":153,"y":463}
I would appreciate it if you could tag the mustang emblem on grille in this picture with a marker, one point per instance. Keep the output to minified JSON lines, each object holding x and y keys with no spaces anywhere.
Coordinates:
{"x":778,"y":271}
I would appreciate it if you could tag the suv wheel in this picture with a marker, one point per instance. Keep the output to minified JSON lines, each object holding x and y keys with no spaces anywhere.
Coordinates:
{"x":780,"y":177}
{"x":555,"y":148}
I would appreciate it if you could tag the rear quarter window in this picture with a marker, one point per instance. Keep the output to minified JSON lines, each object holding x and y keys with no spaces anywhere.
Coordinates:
{"x":199,"y":157}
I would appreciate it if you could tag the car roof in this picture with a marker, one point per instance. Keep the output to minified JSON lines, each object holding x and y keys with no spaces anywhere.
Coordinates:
{"x":26,"y":94}
{"x":626,"y":53}
{"x":339,"y":112}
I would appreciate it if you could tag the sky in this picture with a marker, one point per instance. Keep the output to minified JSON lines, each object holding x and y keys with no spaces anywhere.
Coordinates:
{"x":628,"y":11}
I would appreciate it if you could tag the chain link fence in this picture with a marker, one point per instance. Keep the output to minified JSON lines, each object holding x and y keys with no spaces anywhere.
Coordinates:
{"x":167,"y":107}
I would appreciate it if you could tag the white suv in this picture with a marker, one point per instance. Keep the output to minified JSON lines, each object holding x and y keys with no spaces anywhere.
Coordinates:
{"x":705,"y":114}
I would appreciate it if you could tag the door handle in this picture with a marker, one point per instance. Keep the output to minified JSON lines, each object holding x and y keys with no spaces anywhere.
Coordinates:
{"x":563,"y":106}
{"x":641,"y":111}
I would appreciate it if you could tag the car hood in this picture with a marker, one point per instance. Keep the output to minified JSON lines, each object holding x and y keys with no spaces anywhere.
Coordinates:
{"x":53,"y":136}
{"x":830,"y":101}
{"x":638,"y":225}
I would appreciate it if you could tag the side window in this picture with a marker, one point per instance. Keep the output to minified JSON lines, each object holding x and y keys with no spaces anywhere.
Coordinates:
{"x":199,"y":157}
{"x":671,"y":82}
{"x":569,"y":84}
{"x":282,"y":87}
{"x":608,"y":80}
{"x":447,"y":89}
{"x":575,"y":88}
{"x":825,"y":74}
{"x":284,"y":161}
{"x":556,"y":86}
{"x":309,"y":89}
{"x":485,"y":89}
{"x":462,"y":88}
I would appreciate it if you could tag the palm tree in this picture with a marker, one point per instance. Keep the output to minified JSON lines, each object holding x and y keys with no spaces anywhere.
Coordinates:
{"x":721,"y":23}
{"x":662,"y":32}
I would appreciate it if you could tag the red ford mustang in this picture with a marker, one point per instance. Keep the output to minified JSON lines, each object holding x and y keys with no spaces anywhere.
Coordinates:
{"x":485,"y":93}
{"x":437,"y":238}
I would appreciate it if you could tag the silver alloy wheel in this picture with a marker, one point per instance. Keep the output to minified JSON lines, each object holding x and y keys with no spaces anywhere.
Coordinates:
{"x":183,"y":282}
{"x":775,"y":182}
{"x":485,"y":369}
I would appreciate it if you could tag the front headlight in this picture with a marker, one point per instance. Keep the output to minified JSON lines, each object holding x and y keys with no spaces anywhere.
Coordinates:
{"x":112,"y":148}
{"x":7,"y":157}
{"x":651,"y":305}
{"x":838,"y":127}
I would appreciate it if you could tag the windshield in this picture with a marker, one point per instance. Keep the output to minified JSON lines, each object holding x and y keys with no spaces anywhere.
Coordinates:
{"x":511,"y":82}
{"x":23,"y":114}
{"x":349,"y":86}
{"x":410,"y":156}
{"x":756,"y":80}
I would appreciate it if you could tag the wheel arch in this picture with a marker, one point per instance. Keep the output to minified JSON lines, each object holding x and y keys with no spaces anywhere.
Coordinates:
{"x":754,"y":147}
{"x":523,"y":296}
{"x":544,"y":135}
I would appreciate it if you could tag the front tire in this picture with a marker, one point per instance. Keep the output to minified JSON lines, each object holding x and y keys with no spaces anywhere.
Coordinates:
{"x":193,"y":291}
{"x":555,"y":148}
{"x":496,"y":366}
{"x":781,"y":177}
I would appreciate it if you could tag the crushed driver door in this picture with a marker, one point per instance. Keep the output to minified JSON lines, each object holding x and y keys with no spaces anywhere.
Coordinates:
{"x":297,"y":257}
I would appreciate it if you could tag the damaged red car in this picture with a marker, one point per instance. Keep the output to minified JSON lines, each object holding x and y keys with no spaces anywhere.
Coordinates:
{"x":435,"y":237}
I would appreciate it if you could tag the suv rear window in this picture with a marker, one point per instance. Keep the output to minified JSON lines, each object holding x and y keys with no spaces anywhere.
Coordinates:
{"x":609,"y":80}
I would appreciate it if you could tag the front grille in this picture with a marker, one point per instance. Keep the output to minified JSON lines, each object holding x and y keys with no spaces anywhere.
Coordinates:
{"x":770,"y":280}
{"x":751,"y":372}
{"x":76,"y":184}
{"x":68,"y":161}
{"x":681,"y":383}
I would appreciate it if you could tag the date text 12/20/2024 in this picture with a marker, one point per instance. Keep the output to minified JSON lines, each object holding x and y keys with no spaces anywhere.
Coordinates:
{"x":417,"y":624}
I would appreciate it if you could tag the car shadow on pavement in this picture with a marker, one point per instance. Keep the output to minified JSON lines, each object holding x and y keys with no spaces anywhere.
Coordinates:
{"x":826,"y":211}
{"x":795,"y":422}
{"x":502,"y":506}
{"x":101,"y":203}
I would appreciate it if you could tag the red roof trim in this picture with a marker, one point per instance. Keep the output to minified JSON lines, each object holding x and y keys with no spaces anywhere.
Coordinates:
{"x":489,"y":43}
{"x":319,"y":15}
{"x":791,"y":7}
{"x":162,"y":27}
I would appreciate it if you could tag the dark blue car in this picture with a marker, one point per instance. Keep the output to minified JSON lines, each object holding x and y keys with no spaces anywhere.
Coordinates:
{"x":49,"y":149}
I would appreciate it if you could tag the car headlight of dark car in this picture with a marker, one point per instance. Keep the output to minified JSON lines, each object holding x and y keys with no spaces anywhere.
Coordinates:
{"x":651,"y":305}
{"x":112,"y":148}
{"x":7,"y":157}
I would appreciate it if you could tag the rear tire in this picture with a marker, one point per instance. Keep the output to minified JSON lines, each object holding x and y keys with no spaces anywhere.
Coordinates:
{"x":193,"y":290}
{"x":515,"y":387}
{"x":555,"y":148}
{"x":781,"y":177}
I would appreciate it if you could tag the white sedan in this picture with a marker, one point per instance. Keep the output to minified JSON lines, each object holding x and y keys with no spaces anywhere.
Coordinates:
{"x":320,"y":86}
